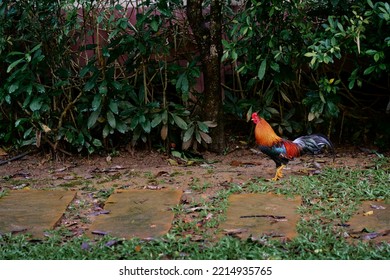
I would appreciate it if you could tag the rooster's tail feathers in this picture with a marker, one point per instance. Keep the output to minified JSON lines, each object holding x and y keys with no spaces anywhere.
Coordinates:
{"x":314,"y":143}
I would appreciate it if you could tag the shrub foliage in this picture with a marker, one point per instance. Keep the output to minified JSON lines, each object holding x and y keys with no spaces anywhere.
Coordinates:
{"x":83,"y":76}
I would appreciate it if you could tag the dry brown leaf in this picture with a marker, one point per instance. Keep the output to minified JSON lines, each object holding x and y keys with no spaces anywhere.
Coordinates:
{"x":234,"y":231}
{"x":2,"y":152}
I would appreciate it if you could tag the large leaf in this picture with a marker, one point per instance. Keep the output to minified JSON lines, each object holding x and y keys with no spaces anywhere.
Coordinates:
{"x":121,"y":126}
{"x":203,"y":127}
{"x":113,"y":105}
{"x":188,"y":134}
{"x":205,"y":137}
{"x":164,"y":132}
{"x":179,"y":121}
{"x":14,"y":64}
{"x":96,"y":102}
{"x":146,"y":126}
{"x":111,"y":119}
{"x":262,"y":68}
{"x":93,"y":118}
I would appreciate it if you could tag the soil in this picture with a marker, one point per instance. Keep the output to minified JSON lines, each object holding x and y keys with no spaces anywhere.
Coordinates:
{"x":96,"y":177}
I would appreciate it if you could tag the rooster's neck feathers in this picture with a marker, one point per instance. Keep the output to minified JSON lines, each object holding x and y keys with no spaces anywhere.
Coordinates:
{"x":264,"y":133}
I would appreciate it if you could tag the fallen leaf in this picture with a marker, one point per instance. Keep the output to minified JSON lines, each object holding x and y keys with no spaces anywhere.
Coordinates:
{"x":153,"y":187}
{"x":85,"y":246}
{"x":377,"y":207}
{"x":209,"y":216}
{"x":235,"y":163}
{"x":2,"y":152}
{"x":162,"y":173}
{"x":197,"y":238}
{"x":99,"y":232}
{"x":19,"y":230}
{"x":172,"y":162}
{"x":368,"y":213}
{"x":111,"y":243}
{"x":194,"y":209}
{"x":138,"y":248}
{"x":370,"y":235}
{"x":102,"y":212}
{"x":61,"y":169}
{"x":21,"y":186}
{"x":234,"y":231}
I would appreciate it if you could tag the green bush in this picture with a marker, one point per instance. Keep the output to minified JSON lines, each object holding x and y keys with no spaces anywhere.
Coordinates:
{"x":82,"y":76}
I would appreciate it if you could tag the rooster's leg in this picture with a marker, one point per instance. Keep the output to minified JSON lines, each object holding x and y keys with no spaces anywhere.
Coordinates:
{"x":278,"y":174}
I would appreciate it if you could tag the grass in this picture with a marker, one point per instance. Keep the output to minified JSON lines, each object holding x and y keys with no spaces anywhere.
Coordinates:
{"x":328,"y":200}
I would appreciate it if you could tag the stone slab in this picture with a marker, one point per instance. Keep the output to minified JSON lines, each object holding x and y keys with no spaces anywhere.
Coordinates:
{"x":137,"y":213}
{"x":257,"y":215}
{"x":371,"y":221}
{"x":33,"y":211}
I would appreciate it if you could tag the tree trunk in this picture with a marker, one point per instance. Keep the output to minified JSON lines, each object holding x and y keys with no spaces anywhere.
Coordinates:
{"x":208,"y":37}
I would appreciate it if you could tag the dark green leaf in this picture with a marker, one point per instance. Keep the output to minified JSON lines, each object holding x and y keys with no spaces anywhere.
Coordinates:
{"x":13,"y":87}
{"x":146,"y":126}
{"x":93,"y":118}
{"x":36,"y":104}
{"x":90,"y":84}
{"x":156,"y":120}
{"x":106,"y":130}
{"x":97,"y":143}
{"x":96,"y":102}
{"x":179,"y":121}
{"x":121,"y":126}
{"x":154,"y":25}
{"x":262,"y":69}
{"x":203,"y":127}
{"x":113,"y":105}
{"x":116,"y":85}
{"x":111,"y":119}
{"x":188,"y":134}
{"x":40,"y":88}
{"x":369,"y":70}
{"x":13,"y":64}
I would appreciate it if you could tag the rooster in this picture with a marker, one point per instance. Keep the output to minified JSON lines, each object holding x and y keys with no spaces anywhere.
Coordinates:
{"x":280,"y":150}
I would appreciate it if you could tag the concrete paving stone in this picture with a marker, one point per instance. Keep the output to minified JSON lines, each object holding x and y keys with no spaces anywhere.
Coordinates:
{"x":371,"y":222}
{"x":33,"y":211}
{"x":256,"y":215}
{"x":137,"y":213}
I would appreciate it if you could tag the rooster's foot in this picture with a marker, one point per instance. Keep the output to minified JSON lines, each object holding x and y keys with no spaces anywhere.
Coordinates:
{"x":279,"y":173}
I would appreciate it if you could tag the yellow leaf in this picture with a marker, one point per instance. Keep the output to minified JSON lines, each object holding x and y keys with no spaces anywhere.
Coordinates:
{"x":311,"y":117}
{"x":173,"y":162}
{"x":45,"y":128}
{"x":368,"y":213}
{"x":331,"y":81}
